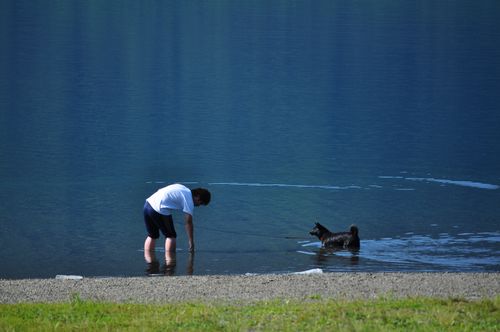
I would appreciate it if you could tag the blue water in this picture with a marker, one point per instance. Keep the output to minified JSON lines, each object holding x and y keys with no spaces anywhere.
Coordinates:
{"x":382,"y":114}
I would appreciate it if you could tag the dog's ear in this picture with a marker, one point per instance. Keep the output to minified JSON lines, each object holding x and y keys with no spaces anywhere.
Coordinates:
{"x":316,"y":223}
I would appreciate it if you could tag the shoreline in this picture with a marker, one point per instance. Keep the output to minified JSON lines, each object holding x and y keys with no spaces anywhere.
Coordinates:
{"x":250,"y":288}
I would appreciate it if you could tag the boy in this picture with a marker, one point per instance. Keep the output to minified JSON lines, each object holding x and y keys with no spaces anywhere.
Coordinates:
{"x":158,"y":214}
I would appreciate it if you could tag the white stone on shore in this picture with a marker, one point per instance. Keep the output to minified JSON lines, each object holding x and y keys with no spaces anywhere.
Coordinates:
{"x":311,"y":271}
{"x":68,"y":277}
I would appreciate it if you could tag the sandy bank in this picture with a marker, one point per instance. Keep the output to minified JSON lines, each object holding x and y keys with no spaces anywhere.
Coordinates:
{"x":252,"y":288}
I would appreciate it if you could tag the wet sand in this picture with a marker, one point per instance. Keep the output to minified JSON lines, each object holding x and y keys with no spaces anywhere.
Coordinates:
{"x":241,"y":288}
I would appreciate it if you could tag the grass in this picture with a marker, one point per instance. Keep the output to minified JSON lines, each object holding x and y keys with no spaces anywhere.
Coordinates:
{"x":315,"y":314}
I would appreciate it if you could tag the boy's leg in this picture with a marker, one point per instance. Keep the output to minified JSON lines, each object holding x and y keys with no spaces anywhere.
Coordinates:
{"x":149,"y":244}
{"x":151,"y":227}
{"x":170,"y":244}
{"x":168,"y":229}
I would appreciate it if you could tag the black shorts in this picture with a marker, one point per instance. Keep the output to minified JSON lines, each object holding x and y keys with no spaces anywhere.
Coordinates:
{"x":156,"y":222}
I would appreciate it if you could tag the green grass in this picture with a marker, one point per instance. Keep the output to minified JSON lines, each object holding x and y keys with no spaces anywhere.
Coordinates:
{"x":314,"y":314}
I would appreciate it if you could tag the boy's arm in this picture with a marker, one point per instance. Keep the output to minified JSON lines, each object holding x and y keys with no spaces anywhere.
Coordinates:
{"x":189,"y":230}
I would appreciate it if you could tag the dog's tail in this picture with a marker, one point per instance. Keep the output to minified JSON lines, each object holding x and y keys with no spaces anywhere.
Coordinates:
{"x":354,"y":230}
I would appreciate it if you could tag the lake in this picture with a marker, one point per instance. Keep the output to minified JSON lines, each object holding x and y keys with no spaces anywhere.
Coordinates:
{"x":381,"y":114}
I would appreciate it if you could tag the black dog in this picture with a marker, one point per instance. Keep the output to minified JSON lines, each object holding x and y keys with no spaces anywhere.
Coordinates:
{"x":349,"y":240}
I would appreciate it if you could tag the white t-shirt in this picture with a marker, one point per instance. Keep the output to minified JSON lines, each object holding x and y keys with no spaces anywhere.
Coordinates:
{"x":173,"y":197}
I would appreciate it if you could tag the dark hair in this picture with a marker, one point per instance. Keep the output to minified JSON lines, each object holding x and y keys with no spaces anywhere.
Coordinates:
{"x":203,"y":194}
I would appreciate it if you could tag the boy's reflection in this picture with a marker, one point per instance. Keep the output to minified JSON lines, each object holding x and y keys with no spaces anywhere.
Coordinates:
{"x":154,"y":267}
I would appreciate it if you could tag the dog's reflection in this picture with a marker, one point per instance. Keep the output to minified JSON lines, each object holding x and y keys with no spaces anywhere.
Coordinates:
{"x":154,"y":267}
{"x":325,"y":255}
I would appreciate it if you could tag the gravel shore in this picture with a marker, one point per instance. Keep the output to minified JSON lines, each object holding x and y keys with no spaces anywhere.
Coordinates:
{"x":253,"y":288}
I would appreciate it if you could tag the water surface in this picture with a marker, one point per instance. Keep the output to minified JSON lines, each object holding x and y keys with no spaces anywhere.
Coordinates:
{"x":381,"y":114}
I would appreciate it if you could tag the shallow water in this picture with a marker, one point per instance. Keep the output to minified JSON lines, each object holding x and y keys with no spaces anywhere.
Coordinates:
{"x":462,"y":252}
{"x":382,"y":115}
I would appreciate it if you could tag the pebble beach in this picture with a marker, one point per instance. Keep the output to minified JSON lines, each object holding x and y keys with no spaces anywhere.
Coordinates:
{"x":248,"y":288}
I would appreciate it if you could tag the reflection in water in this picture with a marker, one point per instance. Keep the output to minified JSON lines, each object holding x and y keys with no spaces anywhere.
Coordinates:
{"x":324,"y":256}
{"x":154,"y":268}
